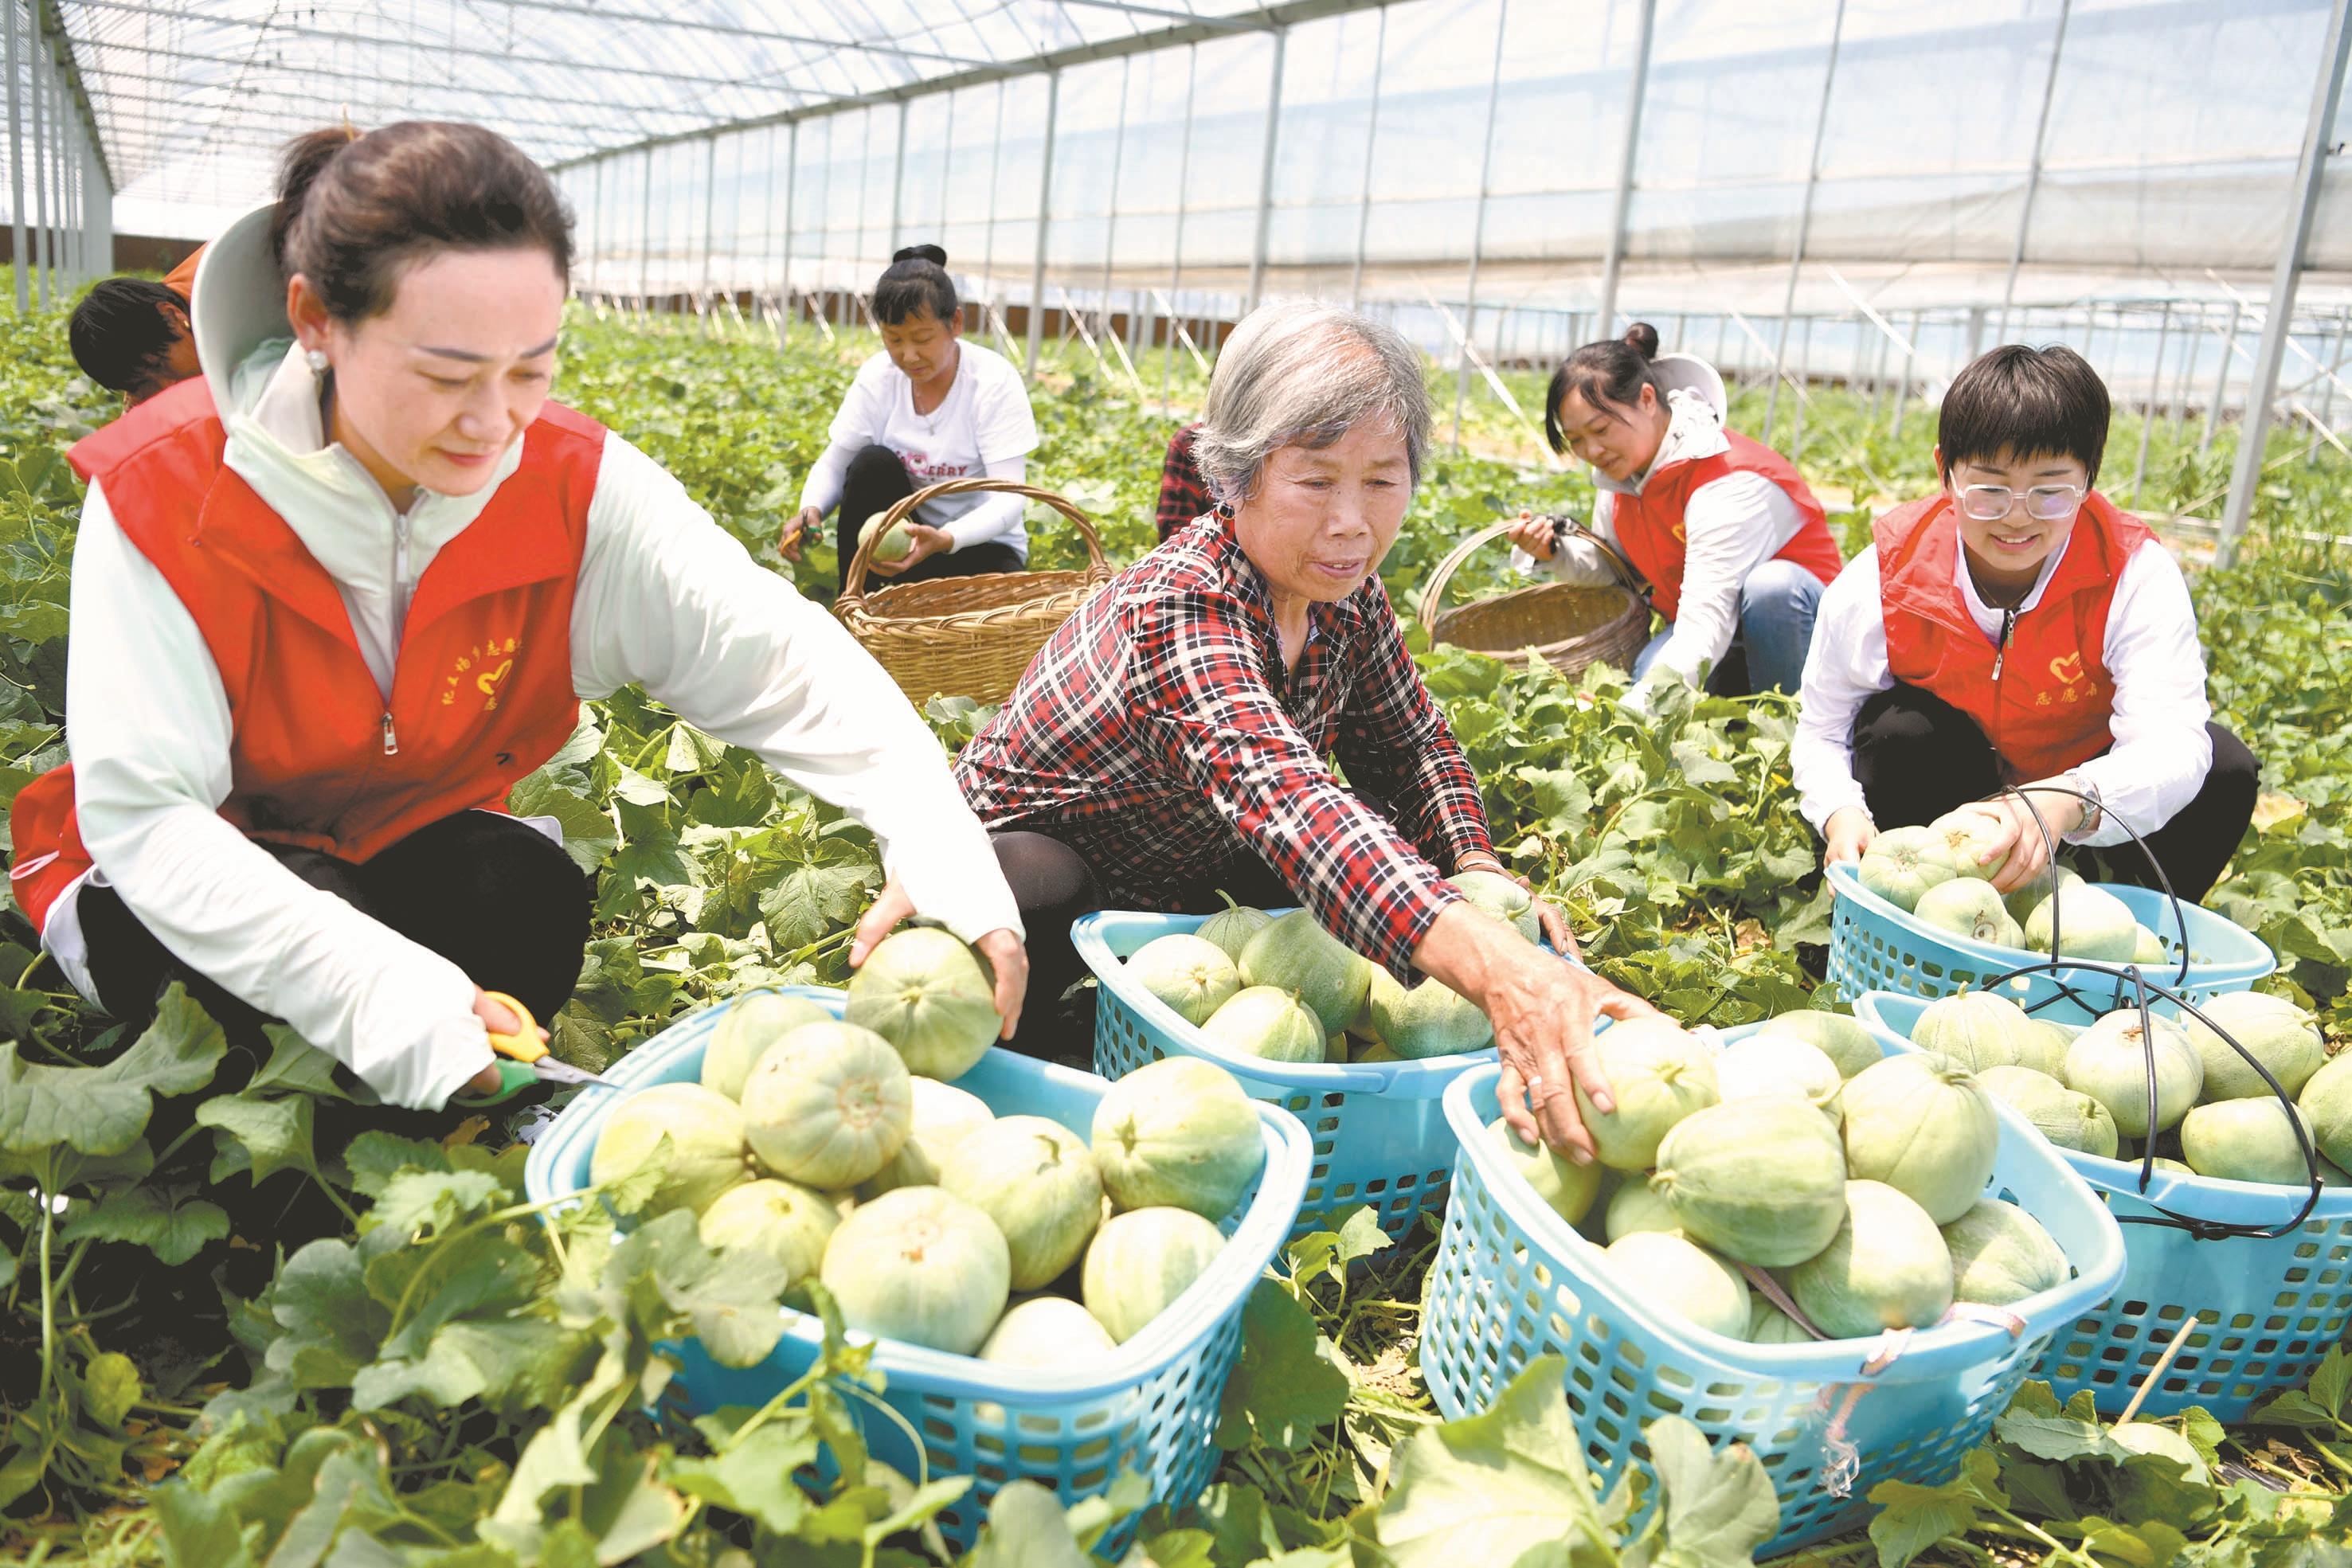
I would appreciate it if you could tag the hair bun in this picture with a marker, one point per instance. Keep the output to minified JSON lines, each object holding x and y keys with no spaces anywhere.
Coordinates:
{"x":1643,"y":339}
{"x":935,"y":255}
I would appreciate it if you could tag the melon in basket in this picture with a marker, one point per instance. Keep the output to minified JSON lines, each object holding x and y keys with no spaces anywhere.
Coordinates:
{"x":1194,"y":977}
{"x":1035,"y":1179}
{"x":1838,"y":1036}
{"x":828,"y":1105}
{"x":1886,"y":1268}
{"x":1426,"y":1019}
{"x":1760,"y":1181}
{"x":1141,"y":1262}
{"x":1902,"y":863}
{"x":2001,"y":1254}
{"x":2277,"y":1033}
{"x":1663,"y":1269}
{"x":1567,"y":1188}
{"x":1502,"y":897}
{"x":931,"y":996}
{"x":1659,"y":1072}
{"x":1967,"y":908}
{"x":2089,"y":923}
{"x":1231,"y":926}
{"x":746,"y":1030}
{"x":1972,"y":842}
{"x":706,"y":1154}
{"x":2110,"y":1061}
{"x":1179,"y":1133}
{"x":1921,"y":1125}
{"x":1270,"y":1023}
{"x":1295,"y":953}
{"x":919,"y":1265}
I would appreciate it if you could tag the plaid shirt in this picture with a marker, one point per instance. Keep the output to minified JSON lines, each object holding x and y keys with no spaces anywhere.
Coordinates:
{"x":1183,"y":494}
{"x":1158,"y":734}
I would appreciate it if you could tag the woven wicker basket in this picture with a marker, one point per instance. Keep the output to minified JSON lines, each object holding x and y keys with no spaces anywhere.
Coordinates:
{"x":1571,"y":626}
{"x":965,"y":636}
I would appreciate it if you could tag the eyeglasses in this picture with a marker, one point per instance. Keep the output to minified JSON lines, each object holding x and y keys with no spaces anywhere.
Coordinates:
{"x":2043,"y":503}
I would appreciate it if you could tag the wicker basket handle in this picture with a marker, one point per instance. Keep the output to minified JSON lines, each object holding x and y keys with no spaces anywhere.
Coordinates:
{"x":855,"y":580}
{"x":1432,"y":593}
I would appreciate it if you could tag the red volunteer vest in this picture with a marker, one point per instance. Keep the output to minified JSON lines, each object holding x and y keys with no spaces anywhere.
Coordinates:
{"x":481,"y":686}
{"x":2046,"y":700}
{"x":1649,"y":526}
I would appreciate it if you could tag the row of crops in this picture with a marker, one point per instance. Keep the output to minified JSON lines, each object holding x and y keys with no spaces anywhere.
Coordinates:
{"x":463,"y":1377}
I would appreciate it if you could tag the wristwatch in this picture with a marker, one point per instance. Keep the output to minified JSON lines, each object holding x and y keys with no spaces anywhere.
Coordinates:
{"x":2095,"y":809}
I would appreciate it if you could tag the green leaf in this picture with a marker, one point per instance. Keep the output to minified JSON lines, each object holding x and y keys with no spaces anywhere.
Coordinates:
{"x":1720,"y":1507}
{"x":102,"y":1110}
{"x":170,"y":1222}
{"x":273,"y":1134}
{"x":332,"y":1325}
{"x":198,"y":1532}
{"x":1326,"y":1254}
{"x":588,"y":833}
{"x":1913,"y":1517}
{"x":109,"y":1387}
{"x":754,"y":1477}
{"x":814,"y":900}
{"x":1486,"y":1488}
{"x":1025,"y":1529}
{"x":375,"y":1156}
{"x":298,"y":1067}
{"x":1282,"y":1389}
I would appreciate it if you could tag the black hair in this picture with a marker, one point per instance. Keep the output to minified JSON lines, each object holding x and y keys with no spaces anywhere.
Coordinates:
{"x":2025,"y":403}
{"x":1611,"y":371}
{"x":915,"y":283}
{"x":355,"y":211}
{"x":121,"y":338}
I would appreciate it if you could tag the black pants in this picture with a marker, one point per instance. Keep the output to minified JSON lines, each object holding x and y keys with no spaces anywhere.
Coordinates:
{"x":1917,"y":756}
{"x":494,"y":896}
{"x":877,"y":480}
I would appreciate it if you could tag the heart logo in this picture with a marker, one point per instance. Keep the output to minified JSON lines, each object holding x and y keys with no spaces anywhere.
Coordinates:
{"x":2067,"y":670}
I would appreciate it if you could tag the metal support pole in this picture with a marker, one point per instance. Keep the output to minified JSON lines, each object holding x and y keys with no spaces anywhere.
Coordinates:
{"x":2279,"y":320}
{"x":1804,"y":358}
{"x":898,"y":175}
{"x":1045,"y":224}
{"x":1371,"y":139}
{"x":39,"y":87}
{"x":1265,"y":171}
{"x":596,"y":230}
{"x":2195,"y":338}
{"x":1613,"y":261}
{"x":16,"y":164}
{"x":1478,"y":225}
{"x":2221,"y":383}
{"x":2155,"y":390}
{"x":645,"y":241}
{"x":2334,"y":357}
{"x":1804,"y":222}
{"x":792,"y":189}
{"x":1111,"y":207}
{"x":1176,"y":248}
{"x":2033,"y":171}
{"x":709,"y":207}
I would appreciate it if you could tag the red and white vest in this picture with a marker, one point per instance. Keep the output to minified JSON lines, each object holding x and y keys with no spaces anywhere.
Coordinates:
{"x":481,"y":686}
{"x":2044,"y":701}
{"x":1649,"y":526}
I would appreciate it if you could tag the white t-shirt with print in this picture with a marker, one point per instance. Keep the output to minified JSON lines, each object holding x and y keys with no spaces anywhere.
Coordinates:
{"x":984,"y":426}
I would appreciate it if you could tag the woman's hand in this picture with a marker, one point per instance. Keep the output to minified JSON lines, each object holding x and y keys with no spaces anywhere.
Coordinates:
{"x":2012,"y":817}
{"x":1848,"y":831}
{"x":497,"y":1018}
{"x":1006,"y":957}
{"x":928,"y":541}
{"x":1533,"y":535}
{"x":796,"y":529}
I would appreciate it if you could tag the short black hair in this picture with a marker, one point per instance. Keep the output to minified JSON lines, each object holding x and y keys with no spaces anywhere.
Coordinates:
{"x":1611,"y":373}
{"x":915,"y":282}
{"x":120,"y":337}
{"x":2025,"y":403}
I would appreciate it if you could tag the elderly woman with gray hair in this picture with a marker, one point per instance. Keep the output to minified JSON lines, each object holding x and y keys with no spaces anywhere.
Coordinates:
{"x":1168,"y":743}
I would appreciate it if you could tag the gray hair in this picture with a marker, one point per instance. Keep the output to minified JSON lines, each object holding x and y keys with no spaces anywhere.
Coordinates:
{"x":1305,"y":374}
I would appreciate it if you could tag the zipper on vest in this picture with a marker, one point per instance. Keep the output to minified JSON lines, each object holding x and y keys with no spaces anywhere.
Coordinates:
{"x":391,"y":742}
{"x":2000,"y":649}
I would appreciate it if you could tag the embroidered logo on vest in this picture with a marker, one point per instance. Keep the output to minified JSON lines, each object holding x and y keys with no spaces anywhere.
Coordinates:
{"x":2074,"y":683}
{"x":496,"y":657}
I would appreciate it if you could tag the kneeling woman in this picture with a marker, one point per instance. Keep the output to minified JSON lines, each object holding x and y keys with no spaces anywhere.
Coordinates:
{"x":929,"y":407}
{"x":332,"y":599}
{"x":1733,"y":546}
{"x":1170,"y":741}
{"x":2016,"y":629}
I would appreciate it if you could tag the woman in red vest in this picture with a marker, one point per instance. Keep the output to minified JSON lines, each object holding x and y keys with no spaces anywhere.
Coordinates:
{"x":1733,"y":546}
{"x":335,"y":597}
{"x":2016,"y":629}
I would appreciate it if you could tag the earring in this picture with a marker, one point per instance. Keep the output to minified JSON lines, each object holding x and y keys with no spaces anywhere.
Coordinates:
{"x":317,"y":359}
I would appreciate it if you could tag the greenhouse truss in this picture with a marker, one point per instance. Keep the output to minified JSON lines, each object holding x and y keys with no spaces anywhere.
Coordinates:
{"x":1856,"y":191}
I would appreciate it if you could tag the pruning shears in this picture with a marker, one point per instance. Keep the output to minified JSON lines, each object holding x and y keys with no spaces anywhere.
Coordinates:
{"x":525,"y":1061}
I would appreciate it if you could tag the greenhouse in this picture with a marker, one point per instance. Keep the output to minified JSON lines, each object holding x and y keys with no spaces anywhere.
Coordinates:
{"x":1176,"y":782}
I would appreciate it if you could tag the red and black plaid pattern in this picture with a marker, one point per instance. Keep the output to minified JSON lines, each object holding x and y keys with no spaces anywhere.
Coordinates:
{"x":1158,"y":735}
{"x":1183,"y":494}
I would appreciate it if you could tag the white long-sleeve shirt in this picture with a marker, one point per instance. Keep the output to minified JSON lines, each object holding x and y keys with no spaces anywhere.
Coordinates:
{"x":983,"y":426}
{"x":665,"y":598}
{"x":2161,"y":752}
{"x":1733,"y":524}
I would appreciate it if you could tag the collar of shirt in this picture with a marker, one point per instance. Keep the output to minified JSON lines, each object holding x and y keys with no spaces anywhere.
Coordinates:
{"x":1987,"y":618}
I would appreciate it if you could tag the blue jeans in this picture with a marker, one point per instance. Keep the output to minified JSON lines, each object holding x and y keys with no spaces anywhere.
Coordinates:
{"x":1776,"y":627}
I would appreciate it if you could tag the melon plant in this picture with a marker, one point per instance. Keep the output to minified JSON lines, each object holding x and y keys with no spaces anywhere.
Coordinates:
{"x":1047,"y":1334}
{"x":1658,"y":1072}
{"x":1268,"y":1022}
{"x":1141,"y":1262}
{"x":1502,"y":897}
{"x":1886,"y":1268}
{"x":1973,"y":841}
{"x":1764,"y":1064}
{"x":1965,"y":907}
{"x":931,"y":997}
{"x":2089,"y":923}
{"x":828,"y":1105}
{"x":2327,"y":1103}
{"x":1426,"y":1020}
{"x":788,"y":1222}
{"x":1636,"y":1207}
{"x":1976,"y":1029}
{"x":2148,"y":1437}
{"x":1760,"y":1181}
{"x":1902,"y":863}
{"x":2022,"y":901}
{"x":751,"y":1024}
{"x":1925,"y":1130}
{"x":1567,"y":1188}
{"x":2111,"y":1063}
{"x":919,"y":1265}
{"x":1294,"y":954}
{"x":2248,"y":1140}
{"x":2277,"y":1033}
{"x":1035,"y":1179}
{"x":1837,"y":1036}
{"x":942,"y":1114}
{"x":2001,"y":1254}
{"x":1668,"y":1273}
{"x":706,"y":1156}
{"x":1179,"y":1133}
{"x":1232,"y":927}
{"x":1192,"y":976}
{"x":1768,"y":1325}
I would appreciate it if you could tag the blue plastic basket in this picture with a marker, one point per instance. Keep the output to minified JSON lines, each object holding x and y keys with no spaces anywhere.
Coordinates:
{"x":1379,"y":1127}
{"x":1151,"y":1408}
{"x":1875,"y":946}
{"x":1513,"y":1281}
{"x":2273,"y":1304}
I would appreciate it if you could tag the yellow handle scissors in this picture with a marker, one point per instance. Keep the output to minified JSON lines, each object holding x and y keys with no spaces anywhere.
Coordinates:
{"x":525,"y":1060}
